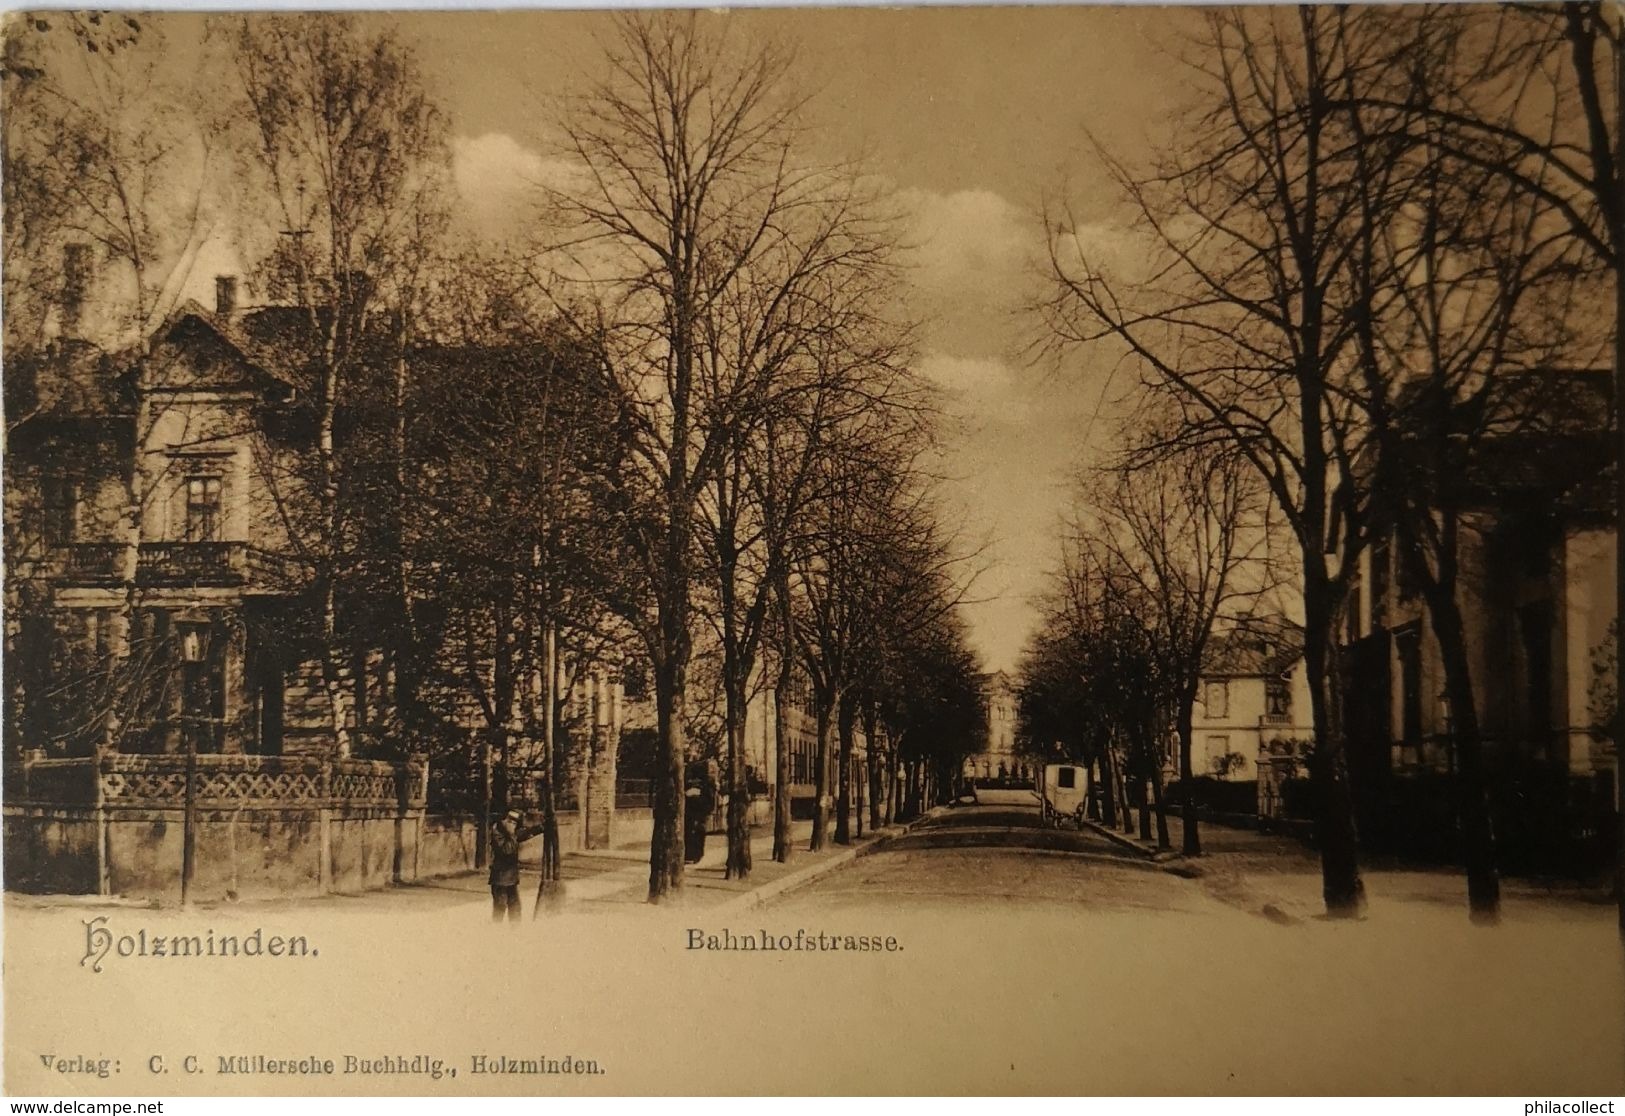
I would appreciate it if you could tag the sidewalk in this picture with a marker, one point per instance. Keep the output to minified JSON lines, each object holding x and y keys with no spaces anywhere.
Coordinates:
{"x":618,"y":878}
{"x":1255,"y":870}
{"x":598,"y":880}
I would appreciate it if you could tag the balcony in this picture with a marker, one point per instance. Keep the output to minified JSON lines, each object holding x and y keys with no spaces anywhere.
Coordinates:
{"x":92,"y":563}
{"x":174,"y":564}
{"x":192,"y":563}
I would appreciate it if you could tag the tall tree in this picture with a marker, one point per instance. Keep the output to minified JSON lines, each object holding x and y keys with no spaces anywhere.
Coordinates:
{"x":1532,"y":95}
{"x":351,"y":152}
{"x":805,"y":324}
{"x":1250,"y":219}
{"x":1184,"y":536}
{"x":683,"y":213}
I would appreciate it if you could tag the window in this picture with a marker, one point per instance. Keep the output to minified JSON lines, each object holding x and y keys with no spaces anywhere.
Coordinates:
{"x":1408,"y":643}
{"x":1380,"y":559}
{"x":1405,"y":582}
{"x":1277,"y":697}
{"x":1217,"y":700}
{"x":61,"y":498}
{"x":1535,"y":624}
{"x":203,"y":509}
{"x":1066,"y":778}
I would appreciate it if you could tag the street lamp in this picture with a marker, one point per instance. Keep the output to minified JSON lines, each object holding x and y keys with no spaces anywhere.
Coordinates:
{"x":193,"y":650}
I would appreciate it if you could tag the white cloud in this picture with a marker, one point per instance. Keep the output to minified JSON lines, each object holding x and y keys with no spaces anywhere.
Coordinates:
{"x":968,"y":241}
{"x":983,"y":390}
{"x":498,"y":179}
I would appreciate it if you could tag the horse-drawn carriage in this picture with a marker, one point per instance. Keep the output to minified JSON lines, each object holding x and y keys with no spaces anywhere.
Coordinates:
{"x":1063,"y":791}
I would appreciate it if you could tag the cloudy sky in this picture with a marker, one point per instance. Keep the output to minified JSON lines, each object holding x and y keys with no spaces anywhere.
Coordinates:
{"x":974,"y":116}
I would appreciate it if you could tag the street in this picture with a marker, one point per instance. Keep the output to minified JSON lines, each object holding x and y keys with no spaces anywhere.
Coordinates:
{"x":997,"y":851}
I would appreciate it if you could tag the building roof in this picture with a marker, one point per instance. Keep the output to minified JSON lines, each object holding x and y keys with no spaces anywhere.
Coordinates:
{"x":69,"y":381}
{"x":1538,"y":438}
{"x":1257,"y":647}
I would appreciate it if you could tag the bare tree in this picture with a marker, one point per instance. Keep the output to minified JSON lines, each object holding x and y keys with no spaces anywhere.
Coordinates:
{"x":1185,"y":536}
{"x":801,"y":325}
{"x":1532,"y":97}
{"x":1250,"y":223}
{"x":689,"y":207}
{"x":107,"y":189}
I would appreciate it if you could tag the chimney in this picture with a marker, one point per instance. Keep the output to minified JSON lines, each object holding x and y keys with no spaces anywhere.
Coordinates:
{"x":225,"y":294}
{"x":75,"y":285}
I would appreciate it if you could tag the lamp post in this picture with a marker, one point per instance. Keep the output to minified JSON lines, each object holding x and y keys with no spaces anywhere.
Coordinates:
{"x":194,"y":652}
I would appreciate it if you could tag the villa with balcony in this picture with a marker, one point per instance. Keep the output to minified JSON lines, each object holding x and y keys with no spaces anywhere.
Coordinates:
{"x":169,"y":722}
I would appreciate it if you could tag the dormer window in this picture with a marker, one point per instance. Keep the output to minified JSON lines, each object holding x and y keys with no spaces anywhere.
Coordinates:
{"x":203,"y":509}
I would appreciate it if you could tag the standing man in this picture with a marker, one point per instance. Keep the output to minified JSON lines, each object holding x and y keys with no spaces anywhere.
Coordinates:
{"x":506,"y":837}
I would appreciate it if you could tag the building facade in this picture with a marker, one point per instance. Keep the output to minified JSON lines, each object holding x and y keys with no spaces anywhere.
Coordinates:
{"x":1252,"y":715}
{"x":169,"y":726}
{"x":175,"y":723}
{"x":1537,"y":595}
{"x":762,"y":715}
{"x":998,"y":759}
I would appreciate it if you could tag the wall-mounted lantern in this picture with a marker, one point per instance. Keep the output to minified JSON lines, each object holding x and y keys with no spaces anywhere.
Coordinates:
{"x":194,"y":643}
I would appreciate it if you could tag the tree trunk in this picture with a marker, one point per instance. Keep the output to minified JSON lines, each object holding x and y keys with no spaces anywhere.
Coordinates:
{"x":1125,"y":814}
{"x":327,"y":462}
{"x":846,"y":717}
{"x":1472,"y":788}
{"x":671,"y":745}
{"x":406,"y":672}
{"x":893,"y":759}
{"x":1108,"y":790}
{"x":1154,"y":774}
{"x":872,"y":735}
{"x":1145,"y":808}
{"x":482,"y":839}
{"x":738,"y":862}
{"x":823,"y":714}
{"x":781,"y":764}
{"x":334,"y":670}
{"x":1335,"y":831}
{"x":738,"y":866}
{"x":1191,"y":845}
{"x":549,"y":884}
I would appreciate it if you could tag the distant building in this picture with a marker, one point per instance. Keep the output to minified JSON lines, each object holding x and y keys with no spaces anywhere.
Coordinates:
{"x":762,"y":714}
{"x":998,"y":759}
{"x":1253,"y":707}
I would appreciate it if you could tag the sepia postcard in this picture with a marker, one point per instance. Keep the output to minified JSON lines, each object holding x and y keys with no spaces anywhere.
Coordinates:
{"x":823,"y":551}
